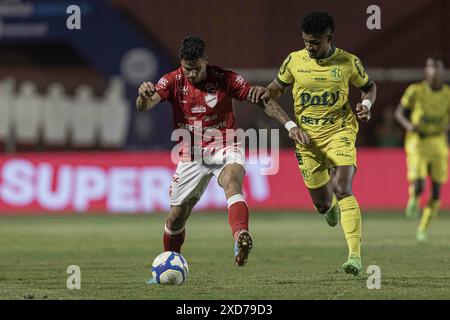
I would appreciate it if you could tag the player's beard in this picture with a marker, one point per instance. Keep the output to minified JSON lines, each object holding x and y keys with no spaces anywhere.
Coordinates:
{"x":198,"y":79}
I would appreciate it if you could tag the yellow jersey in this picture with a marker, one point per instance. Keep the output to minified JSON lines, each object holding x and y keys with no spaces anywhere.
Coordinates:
{"x":430,"y":109}
{"x":321,"y":89}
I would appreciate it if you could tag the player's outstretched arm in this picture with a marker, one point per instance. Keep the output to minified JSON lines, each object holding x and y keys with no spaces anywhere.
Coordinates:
{"x":148,"y":97}
{"x":275,"y":111}
{"x":368,"y":97}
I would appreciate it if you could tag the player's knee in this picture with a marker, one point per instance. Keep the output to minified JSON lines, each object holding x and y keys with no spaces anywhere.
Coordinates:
{"x":323,"y":205}
{"x":342,"y":192}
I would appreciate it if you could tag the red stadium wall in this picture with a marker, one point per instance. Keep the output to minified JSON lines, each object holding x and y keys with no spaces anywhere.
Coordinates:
{"x":139,"y":181}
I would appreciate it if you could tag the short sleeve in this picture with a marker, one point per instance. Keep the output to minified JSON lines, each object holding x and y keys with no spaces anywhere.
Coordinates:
{"x":238,"y":87}
{"x":164,"y":87}
{"x":359,"y":78}
{"x":284,"y":75}
{"x":407,"y":100}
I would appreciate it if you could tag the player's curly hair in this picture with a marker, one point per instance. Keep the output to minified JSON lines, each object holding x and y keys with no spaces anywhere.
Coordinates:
{"x":192,"y":48}
{"x":317,"y":23}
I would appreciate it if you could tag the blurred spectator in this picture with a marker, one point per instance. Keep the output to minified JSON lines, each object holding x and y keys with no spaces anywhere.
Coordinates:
{"x":27,"y":115}
{"x":56,"y":116}
{"x":7,"y":87}
{"x":114,"y":115}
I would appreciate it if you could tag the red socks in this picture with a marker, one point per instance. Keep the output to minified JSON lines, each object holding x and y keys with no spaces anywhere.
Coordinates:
{"x":237,"y":214}
{"x":237,"y":218}
{"x":173,"y":240}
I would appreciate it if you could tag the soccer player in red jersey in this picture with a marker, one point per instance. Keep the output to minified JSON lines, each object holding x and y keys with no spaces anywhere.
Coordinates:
{"x":202,"y":94}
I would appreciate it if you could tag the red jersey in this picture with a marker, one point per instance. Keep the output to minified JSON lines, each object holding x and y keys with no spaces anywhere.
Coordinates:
{"x":208,"y":103}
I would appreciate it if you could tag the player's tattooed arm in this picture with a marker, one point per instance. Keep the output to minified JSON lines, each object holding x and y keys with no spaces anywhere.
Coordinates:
{"x":148,"y":97}
{"x":277,"y":88}
{"x":275,"y":111}
{"x":368,"y":97}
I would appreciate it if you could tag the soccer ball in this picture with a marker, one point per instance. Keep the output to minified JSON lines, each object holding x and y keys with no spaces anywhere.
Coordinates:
{"x":170,"y":268}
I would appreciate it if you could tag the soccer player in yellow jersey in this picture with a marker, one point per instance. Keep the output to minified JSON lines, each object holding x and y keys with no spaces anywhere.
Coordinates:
{"x":321,"y":75}
{"x":424,"y":112}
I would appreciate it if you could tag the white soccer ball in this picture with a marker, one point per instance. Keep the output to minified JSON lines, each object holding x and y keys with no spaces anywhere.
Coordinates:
{"x":170,"y":268}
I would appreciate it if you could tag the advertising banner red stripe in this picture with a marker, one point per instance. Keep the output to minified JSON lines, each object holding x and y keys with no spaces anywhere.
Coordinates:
{"x":138,"y":182}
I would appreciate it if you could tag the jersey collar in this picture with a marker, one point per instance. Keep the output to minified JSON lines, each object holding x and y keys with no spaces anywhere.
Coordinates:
{"x":328,"y":56}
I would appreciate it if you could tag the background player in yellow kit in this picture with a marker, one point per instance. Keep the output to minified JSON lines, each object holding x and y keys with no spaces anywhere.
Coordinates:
{"x":424,"y":113}
{"x":321,"y":75}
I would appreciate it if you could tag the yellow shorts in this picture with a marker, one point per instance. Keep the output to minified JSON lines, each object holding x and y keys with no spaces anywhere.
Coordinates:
{"x":427,"y":157}
{"x":315,"y":160}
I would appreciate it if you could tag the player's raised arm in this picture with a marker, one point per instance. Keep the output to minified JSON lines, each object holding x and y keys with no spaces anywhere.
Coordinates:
{"x":275,"y":111}
{"x":148,"y":97}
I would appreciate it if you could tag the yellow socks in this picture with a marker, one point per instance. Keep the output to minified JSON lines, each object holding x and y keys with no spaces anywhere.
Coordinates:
{"x":412,"y":209}
{"x":351,"y":223}
{"x":429,"y":212}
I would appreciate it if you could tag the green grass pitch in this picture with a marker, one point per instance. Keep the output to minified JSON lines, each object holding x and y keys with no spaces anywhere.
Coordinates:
{"x":295,"y":256}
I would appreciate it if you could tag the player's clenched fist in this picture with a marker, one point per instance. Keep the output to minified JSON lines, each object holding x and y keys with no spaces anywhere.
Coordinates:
{"x":299,"y":136}
{"x":146,"y":90}
{"x":363,"y":112}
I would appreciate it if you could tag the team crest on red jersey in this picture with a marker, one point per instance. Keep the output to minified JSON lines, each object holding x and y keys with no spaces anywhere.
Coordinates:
{"x":211,"y":99}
